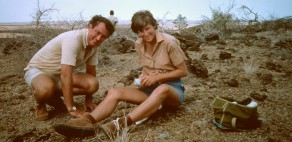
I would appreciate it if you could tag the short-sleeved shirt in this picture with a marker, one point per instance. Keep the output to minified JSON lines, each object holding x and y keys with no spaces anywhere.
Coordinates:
{"x":113,"y":19}
{"x":67,"y":48}
{"x":167,"y":54}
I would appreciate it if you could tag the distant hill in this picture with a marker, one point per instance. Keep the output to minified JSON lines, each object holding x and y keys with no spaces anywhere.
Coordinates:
{"x":14,"y":23}
{"x":190,"y":22}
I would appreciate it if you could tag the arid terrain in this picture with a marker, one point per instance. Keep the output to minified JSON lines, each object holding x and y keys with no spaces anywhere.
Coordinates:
{"x":246,"y":64}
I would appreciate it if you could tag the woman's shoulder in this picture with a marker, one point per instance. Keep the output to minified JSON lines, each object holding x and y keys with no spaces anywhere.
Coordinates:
{"x":169,"y":38}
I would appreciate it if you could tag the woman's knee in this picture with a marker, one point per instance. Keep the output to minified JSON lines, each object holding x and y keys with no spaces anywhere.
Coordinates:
{"x":163,"y":89}
{"x":114,"y":93}
{"x":161,"y":92}
{"x":168,"y":95}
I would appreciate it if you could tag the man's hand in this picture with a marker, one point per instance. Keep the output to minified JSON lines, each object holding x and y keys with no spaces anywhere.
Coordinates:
{"x":89,"y":106}
{"x":77,"y":113}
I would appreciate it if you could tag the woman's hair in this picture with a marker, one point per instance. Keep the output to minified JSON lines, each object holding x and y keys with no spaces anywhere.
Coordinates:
{"x":95,"y":20}
{"x":140,"y":19}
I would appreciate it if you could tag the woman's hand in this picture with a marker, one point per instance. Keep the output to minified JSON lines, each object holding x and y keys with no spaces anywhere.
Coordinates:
{"x":148,"y":80}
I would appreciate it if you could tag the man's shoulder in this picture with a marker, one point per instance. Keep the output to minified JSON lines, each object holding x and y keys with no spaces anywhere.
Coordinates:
{"x":73,"y":34}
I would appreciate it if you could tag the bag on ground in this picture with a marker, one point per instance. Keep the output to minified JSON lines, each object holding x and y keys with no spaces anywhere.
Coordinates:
{"x":232,"y":114}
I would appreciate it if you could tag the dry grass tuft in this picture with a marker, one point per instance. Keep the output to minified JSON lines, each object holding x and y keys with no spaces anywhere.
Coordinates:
{"x":250,"y":66}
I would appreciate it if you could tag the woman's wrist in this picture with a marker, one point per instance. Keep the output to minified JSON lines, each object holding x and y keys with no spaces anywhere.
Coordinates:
{"x":157,"y":78}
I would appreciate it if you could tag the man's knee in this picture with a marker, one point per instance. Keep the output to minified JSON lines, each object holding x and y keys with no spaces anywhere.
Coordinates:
{"x":93,"y":86}
{"x":44,"y":92}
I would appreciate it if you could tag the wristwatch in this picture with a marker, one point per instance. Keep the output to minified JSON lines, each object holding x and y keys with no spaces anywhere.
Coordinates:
{"x":72,"y":109}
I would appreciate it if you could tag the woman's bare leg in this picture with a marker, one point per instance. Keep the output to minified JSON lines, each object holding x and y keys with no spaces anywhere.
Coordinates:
{"x":164,"y":94}
{"x":108,"y":105}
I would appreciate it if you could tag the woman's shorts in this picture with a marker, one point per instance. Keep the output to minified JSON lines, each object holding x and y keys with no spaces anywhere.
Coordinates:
{"x":177,"y":85}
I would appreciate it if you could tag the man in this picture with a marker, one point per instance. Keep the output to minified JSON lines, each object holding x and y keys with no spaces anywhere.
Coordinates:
{"x":51,"y":71}
{"x":113,"y":18}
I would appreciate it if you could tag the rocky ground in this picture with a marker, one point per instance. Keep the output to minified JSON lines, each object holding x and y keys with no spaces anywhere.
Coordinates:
{"x":244,"y":65}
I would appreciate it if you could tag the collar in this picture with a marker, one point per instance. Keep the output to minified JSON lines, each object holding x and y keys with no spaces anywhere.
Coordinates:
{"x":85,"y":41}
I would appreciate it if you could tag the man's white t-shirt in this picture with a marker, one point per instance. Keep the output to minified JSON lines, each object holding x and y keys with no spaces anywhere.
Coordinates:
{"x":67,"y":48}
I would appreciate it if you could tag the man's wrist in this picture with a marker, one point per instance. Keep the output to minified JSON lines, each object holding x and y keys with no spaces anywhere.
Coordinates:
{"x":88,"y":98}
{"x":72,"y":109}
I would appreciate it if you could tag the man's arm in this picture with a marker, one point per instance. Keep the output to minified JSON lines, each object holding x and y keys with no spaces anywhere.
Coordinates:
{"x":67,"y":85}
{"x":91,"y":69}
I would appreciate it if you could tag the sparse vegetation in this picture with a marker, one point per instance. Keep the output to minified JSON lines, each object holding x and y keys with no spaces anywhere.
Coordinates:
{"x":250,"y":66}
{"x":162,"y":22}
{"x":16,"y":100}
{"x":180,"y":22}
{"x":42,"y":14}
{"x":219,"y":23}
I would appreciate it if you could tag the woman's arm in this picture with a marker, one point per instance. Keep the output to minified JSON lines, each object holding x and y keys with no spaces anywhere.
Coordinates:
{"x":91,"y":69}
{"x":180,"y":71}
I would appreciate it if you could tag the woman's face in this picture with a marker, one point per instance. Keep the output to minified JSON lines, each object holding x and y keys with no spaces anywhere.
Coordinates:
{"x":148,"y":33}
{"x":97,"y":34}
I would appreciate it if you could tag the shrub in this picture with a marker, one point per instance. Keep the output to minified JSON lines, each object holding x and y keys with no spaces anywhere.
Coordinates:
{"x":180,"y":22}
{"x":219,"y":23}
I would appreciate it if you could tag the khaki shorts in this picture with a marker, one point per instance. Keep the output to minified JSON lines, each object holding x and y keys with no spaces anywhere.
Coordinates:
{"x":34,"y":72}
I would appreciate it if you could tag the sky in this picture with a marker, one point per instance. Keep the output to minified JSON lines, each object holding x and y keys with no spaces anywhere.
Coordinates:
{"x":23,"y":10}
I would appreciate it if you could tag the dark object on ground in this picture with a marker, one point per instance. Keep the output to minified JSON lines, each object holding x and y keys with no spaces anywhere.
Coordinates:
{"x":258,"y":96}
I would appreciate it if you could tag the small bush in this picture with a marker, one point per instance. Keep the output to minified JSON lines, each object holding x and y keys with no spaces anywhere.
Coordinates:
{"x":250,"y":66}
{"x":180,"y":22}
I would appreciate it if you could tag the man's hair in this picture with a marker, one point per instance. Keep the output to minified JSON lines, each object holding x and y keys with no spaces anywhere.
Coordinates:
{"x":95,"y":20}
{"x":141,"y":18}
{"x":112,"y":12}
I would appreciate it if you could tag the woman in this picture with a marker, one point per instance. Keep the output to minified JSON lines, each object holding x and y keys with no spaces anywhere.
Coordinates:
{"x":163,"y":64}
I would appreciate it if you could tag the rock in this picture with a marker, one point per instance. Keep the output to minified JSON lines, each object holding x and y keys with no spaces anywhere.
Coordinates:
{"x":266,"y":78}
{"x":129,"y":45}
{"x":197,"y":67}
{"x":193,"y":42}
{"x":257,"y":96}
{"x":194,"y":48}
{"x":232,"y":83}
{"x":204,"y":57}
{"x":263,"y":42}
{"x":127,"y":80}
{"x":274,"y":66}
{"x":212,"y":37}
{"x":224,"y":55}
{"x":104,"y":60}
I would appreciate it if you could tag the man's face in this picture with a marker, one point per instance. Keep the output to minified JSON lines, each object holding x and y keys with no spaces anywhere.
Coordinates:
{"x":97,"y":34}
